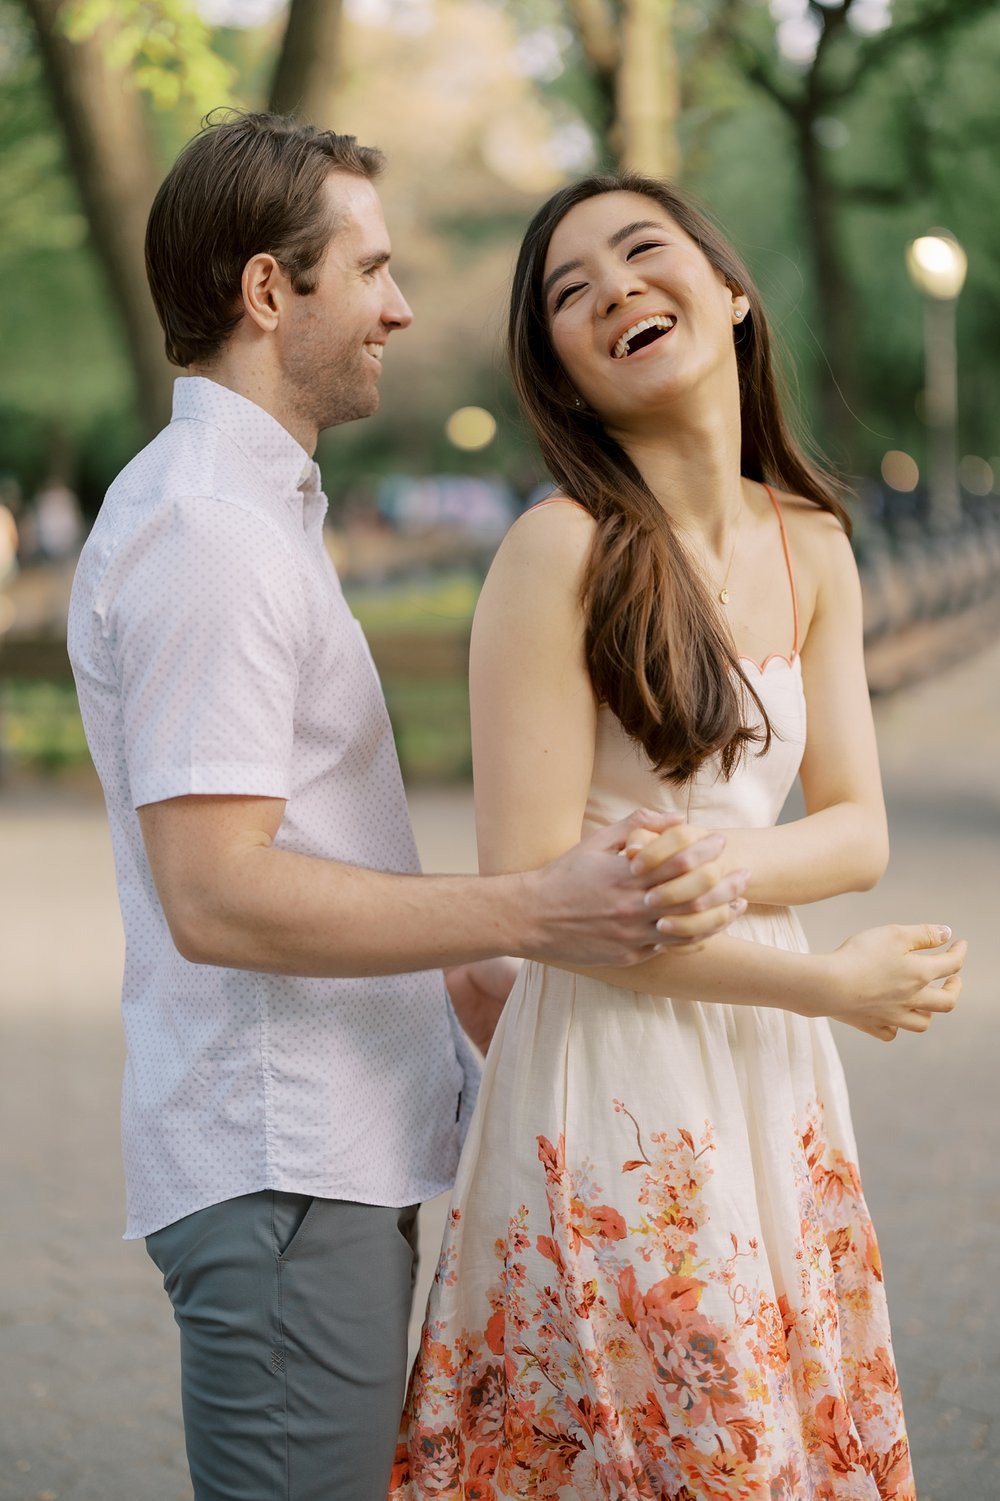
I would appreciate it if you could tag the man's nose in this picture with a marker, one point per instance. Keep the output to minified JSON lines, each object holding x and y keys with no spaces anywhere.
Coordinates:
{"x":397,"y":312}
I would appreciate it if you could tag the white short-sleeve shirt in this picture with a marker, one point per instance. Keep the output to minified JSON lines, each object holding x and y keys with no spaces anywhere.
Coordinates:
{"x":214,"y":652}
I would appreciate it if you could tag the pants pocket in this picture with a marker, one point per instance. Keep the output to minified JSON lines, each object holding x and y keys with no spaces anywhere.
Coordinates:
{"x":289,"y":1213}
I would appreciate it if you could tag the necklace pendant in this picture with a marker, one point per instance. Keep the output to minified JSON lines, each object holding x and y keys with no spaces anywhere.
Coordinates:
{"x":724,"y":596}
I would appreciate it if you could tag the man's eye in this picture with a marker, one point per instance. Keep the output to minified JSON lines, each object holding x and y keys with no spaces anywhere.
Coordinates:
{"x":566,"y":292}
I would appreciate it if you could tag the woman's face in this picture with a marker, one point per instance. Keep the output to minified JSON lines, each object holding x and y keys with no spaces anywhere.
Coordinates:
{"x":638,"y":317}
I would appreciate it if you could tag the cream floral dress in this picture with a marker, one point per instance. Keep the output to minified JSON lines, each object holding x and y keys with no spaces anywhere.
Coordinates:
{"x":659,"y":1278}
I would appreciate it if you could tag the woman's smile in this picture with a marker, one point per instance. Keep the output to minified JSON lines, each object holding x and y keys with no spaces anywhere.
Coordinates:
{"x":641,"y":333}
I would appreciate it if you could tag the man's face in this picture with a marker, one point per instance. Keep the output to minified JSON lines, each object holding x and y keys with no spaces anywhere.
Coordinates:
{"x":333,"y":341}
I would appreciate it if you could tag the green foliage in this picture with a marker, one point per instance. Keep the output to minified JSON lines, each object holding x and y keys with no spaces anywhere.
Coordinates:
{"x":442,"y":603}
{"x":430,"y":723}
{"x":40,"y":208}
{"x":164,"y":44}
{"x":64,"y":366}
{"x":912,"y":144}
{"x":41,"y":725}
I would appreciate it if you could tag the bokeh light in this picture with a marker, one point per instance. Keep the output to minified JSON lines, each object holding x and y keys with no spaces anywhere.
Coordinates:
{"x":937,"y":264}
{"x":900,"y":471}
{"x":975,"y":474}
{"x":471,"y":428}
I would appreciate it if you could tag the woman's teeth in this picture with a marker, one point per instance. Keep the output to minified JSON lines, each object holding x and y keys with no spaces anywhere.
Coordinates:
{"x":661,"y":321}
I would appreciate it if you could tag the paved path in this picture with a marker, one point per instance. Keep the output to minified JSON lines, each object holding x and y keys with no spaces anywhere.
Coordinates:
{"x":88,"y":1390}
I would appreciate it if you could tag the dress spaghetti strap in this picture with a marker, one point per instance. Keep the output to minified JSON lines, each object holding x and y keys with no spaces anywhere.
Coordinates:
{"x":556,"y":500}
{"x":791,"y":572}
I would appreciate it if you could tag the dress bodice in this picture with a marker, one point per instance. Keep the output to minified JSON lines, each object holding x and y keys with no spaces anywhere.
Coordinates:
{"x":753,"y":797}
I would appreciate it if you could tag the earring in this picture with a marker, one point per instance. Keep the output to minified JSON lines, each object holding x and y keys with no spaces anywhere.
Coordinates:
{"x":577,"y":402}
{"x":738,"y":313}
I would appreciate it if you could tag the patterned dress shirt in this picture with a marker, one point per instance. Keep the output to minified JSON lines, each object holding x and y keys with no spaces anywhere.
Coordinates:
{"x":214,"y":653}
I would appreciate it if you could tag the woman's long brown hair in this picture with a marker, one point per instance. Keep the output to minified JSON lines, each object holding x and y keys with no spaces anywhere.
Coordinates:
{"x":657,"y":652}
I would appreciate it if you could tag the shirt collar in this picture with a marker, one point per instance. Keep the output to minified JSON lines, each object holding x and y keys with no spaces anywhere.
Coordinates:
{"x":289,"y":471}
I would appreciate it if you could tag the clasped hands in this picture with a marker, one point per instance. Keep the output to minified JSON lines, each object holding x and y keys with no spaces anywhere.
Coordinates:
{"x":689,"y":895}
{"x":695,"y":896}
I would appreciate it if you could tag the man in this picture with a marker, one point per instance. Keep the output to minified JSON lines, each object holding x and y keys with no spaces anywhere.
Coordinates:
{"x":295,"y":1082}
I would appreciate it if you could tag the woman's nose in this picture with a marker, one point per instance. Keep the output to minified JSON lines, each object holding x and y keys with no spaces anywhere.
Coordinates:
{"x":617,"y":287}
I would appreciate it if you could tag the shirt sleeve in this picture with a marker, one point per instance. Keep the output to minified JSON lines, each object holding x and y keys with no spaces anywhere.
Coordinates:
{"x":207,"y":623}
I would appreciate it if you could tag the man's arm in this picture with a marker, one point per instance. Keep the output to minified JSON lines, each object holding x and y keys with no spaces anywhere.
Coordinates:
{"x":232,"y":898}
{"x":200,"y":727}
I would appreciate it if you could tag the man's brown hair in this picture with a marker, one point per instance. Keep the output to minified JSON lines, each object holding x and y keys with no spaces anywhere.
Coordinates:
{"x":245,"y":185}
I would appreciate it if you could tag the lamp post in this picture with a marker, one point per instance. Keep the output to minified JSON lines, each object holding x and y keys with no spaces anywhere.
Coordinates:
{"x":937,"y":265}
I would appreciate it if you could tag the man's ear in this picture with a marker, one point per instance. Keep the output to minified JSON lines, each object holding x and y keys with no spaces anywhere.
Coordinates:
{"x":264,"y":287}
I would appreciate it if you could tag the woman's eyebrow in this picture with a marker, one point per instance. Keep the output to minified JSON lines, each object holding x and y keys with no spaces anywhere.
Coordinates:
{"x":615,"y":239}
{"x":631,"y":229}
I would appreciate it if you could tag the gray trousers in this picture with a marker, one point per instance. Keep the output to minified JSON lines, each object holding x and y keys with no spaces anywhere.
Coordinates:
{"x":293,"y":1315}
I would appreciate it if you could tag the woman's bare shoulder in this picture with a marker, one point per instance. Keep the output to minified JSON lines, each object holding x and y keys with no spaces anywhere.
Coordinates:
{"x":812,"y":530}
{"x":554,"y":529}
{"x":537,"y":572}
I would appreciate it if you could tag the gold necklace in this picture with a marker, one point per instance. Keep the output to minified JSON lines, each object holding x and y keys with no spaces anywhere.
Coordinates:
{"x":724,"y":591}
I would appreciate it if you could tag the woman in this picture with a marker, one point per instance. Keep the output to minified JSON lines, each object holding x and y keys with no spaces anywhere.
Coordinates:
{"x":659,"y":1278}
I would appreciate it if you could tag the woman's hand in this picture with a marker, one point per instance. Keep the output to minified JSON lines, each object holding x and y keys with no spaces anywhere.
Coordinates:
{"x":696,"y":894}
{"x":884,"y":979}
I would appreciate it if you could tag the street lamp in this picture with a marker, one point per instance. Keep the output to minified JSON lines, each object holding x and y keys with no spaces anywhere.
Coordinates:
{"x":937,"y":265}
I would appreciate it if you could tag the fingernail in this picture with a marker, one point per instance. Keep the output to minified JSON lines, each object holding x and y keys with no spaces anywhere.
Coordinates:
{"x":944,"y":934}
{"x":738,"y":906}
{"x":664,"y":925}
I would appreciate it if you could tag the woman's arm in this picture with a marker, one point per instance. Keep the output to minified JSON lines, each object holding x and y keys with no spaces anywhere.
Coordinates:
{"x":842,"y":842}
{"x":534,"y":723}
{"x":533,"y":733}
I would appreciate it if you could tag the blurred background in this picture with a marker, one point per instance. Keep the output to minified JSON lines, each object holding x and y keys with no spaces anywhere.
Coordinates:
{"x":850,"y":150}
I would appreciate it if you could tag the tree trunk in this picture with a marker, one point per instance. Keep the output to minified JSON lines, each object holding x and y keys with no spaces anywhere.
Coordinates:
{"x":600,"y":40}
{"x":305,"y":79}
{"x":836,"y":302}
{"x":647,"y":89}
{"x":104,"y":130}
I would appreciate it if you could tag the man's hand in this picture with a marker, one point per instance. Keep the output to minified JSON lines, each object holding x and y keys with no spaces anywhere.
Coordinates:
{"x":595,"y":908}
{"x":478,"y":992}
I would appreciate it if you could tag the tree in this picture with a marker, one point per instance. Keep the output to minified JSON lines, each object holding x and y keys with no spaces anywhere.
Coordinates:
{"x":628,"y":45}
{"x":104,"y":60}
{"x":308,"y":69}
{"x":107,"y":141}
{"x":832,"y":66}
